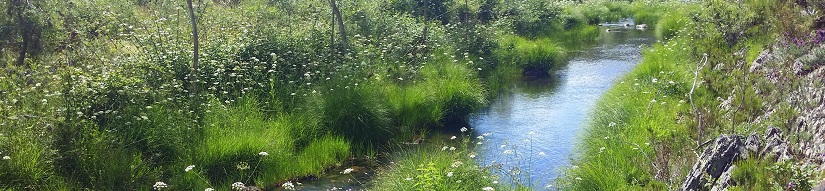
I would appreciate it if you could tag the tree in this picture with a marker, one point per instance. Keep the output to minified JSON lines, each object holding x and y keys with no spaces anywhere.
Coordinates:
{"x":194,"y":75}
{"x":21,"y":12}
{"x":341,"y":29}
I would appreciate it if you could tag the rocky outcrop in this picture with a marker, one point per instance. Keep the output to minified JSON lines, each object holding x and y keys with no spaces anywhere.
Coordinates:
{"x":775,"y":148}
{"x":715,"y":161}
{"x":714,"y":167}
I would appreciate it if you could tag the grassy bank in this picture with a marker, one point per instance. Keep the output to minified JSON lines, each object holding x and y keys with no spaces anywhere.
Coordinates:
{"x":647,"y":131}
{"x":106,"y":95}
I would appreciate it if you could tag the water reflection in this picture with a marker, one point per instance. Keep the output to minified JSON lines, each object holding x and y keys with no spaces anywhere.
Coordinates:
{"x":535,"y":126}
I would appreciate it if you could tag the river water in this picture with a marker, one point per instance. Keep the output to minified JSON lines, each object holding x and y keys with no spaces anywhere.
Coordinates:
{"x":533,"y":130}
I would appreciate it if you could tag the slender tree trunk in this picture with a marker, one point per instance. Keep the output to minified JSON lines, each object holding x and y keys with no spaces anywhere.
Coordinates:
{"x":25,"y":45}
{"x":341,"y":28}
{"x":25,"y":32}
{"x":193,"y":76}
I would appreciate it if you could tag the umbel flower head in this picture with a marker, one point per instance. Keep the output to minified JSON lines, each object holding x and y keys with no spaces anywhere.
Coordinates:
{"x":159,"y":186}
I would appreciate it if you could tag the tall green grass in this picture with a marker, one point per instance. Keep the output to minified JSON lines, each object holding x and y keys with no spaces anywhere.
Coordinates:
{"x":240,"y":145}
{"x":632,"y":142}
{"x":447,"y":90}
{"x":430,"y":168}
{"x":530,"y":55}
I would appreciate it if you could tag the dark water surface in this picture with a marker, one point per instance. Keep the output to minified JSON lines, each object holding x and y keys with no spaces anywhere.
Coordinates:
{"x":534,"y":129}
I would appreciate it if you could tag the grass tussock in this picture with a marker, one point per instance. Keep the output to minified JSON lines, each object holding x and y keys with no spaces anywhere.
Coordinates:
{"x":539,"y":55}
{"x":240,"y":145}
{"x":431,"y":168}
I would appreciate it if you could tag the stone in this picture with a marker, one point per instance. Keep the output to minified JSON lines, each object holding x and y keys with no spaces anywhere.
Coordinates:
{"x":724,"y":180}
{"x":753,"y":143}
{"x":775,"y":148}
{"x":714,"y":162}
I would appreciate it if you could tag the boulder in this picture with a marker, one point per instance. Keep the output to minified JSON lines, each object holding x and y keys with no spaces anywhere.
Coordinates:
{"x":714,"y":162}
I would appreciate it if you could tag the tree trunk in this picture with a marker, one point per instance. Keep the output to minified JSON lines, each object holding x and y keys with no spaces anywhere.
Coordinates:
{"x":341,"y":28}
{"x":21,"y":59}
{"x":25,"y":32}
{"x":193,"y":76}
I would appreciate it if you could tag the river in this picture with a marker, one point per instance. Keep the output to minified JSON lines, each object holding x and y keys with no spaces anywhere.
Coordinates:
{"x":533,"y":128}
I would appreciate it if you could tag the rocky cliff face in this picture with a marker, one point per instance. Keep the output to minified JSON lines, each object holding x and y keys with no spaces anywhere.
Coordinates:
{"x":784,"y":83}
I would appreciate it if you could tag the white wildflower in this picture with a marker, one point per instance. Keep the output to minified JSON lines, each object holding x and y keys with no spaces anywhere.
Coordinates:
{"x":488,"y":189}
{"x":347,"y":171}
{"x":463,"y":129}
{"x":452,"y":148}
{"x":601,"y":149}
{"x":159,"y":186}
{"x":288,"y":186}
{"x":456,"y":164}
{"x":209,"y":189}
{"x":444,"y":148}
{"x":450,"y":174}
{"x":408,"y":179}
{"x":262,"y":153}
{"x":6,"y":158}
{"x":472,"y":156}
{"x":189,"y":168}
{"x":452,"y":138}
{"x":238,"y":186}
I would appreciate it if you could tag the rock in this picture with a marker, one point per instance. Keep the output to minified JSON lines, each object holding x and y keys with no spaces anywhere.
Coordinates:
{"x":775,"y":148}
{"x":760,"y":60}
{"x":753,"y":143}
{"x":819,"y":187}
{"x":714,"y":162}
{"x":724,"y":180}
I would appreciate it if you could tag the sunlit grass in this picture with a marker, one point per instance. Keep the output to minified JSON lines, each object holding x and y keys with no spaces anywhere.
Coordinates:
{"x":633,"y":128}
{"x":538,"y":55}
